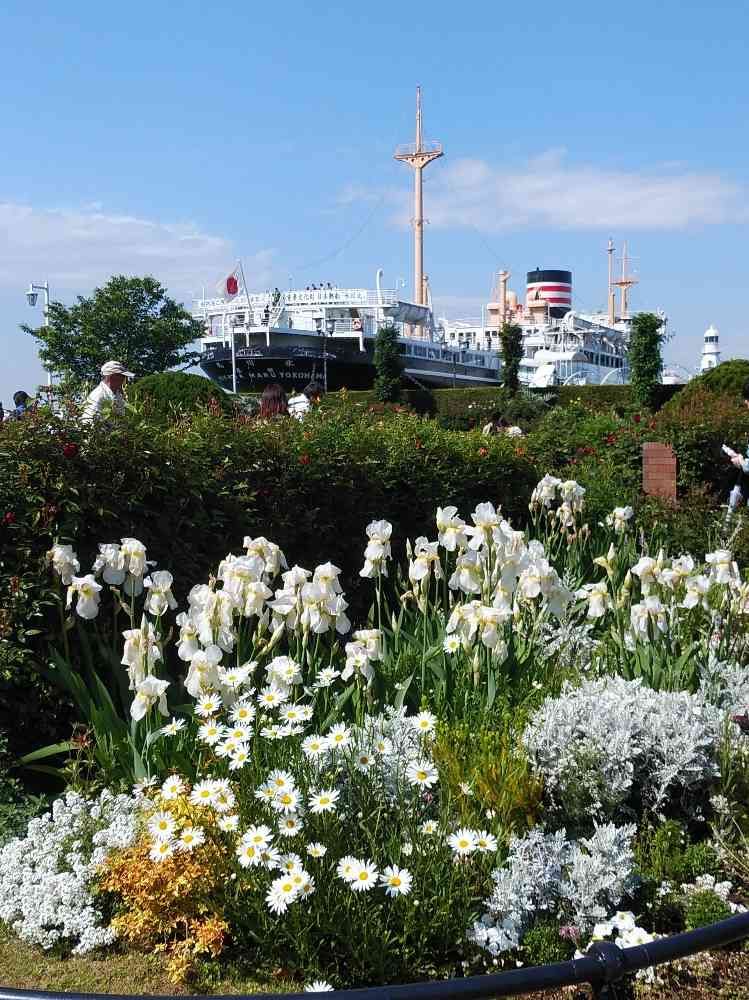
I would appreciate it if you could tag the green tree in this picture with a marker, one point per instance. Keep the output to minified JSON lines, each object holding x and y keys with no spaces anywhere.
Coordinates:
{"x":511,"y":337}
{"x":646,"y":357}
{"x":131,"y":320}
{"x":387,"y":361}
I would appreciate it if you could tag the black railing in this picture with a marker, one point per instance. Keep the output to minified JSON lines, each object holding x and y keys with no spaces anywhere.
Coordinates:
{"x":605,"y":967}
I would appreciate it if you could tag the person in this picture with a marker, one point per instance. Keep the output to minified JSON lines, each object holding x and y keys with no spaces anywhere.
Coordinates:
{"x":299,"y":405}
{"x":107,"y":396}
{"x":273,"y":402}
{"x":21,"y":405}
{"x":740,"y":491}
{"x":497,"y":425}
{"x":314,"y":392}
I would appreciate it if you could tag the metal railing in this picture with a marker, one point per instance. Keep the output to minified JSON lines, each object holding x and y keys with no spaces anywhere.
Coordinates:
{"x":605,"y":967}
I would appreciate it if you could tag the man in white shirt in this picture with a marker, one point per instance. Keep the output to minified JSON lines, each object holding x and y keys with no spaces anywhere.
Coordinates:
{"x":298,"y":405}
{"x":107,"y":396}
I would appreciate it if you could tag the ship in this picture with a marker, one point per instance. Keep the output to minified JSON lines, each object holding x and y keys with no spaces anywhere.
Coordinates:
{"x":325,"y":333}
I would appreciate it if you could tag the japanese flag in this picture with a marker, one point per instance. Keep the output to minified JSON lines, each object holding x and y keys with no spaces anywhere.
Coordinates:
{"x":228,"y":287}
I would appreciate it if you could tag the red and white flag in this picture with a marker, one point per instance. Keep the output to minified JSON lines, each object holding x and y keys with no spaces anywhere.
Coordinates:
{"x":228,"y":287}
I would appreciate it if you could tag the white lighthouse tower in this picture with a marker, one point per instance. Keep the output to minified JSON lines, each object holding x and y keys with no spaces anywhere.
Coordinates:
{"x":710,"y":350}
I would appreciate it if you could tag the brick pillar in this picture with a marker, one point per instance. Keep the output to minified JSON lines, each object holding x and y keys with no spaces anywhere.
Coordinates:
{"x":658,"y":470}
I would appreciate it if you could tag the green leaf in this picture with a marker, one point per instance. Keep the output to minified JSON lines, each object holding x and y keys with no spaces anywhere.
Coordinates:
{"x":49,"y":751}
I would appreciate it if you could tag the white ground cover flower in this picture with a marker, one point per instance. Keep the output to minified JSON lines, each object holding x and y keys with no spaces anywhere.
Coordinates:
{"x":47,"y":877}
{"x":598,"y":744}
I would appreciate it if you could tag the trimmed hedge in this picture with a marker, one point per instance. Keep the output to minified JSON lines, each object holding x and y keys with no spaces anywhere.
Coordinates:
{"x":727,"y":379}
{"x":171,"y":394}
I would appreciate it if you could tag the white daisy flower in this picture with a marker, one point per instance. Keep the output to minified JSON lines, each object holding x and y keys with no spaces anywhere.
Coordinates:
{"x":162,"y":825}
{"x":208,"y":705}
{"x":346,"y":868}
{"x":318,"y":986}
{"x":421,"y":773}
{"x":190,"y":837}
{"x":326,"y":677}
{"x":240,"y":732}
{"x":430,"y":827}
{"x":314,"y":746}
{"x":173,"y":727}
{"x":290,"y":825}
{"x":339,"y":736}
{"x":161,"y":849}
{"x":270,"y":858}
{"x":203,"y":793}
{"x":242,"y":713}
{"x":290,"y":863}
{"x":172,"y":788}
{"x":228,"y":823}
{"x":248,"y":855}
{"x":486,"y":843}
{"x":286,"y":800}
{"x":424,"y":722}
{"x":272,"y":696}
{"x":282,"y":892}
{"x":323,"y":801}
{"x":462,"y":842}
{"x":210,"y":732}
{"x":364,"y":761}
{"x":364,"y":877}
{"x":260,"y":836}
{"x":397,"y":881}
{"x":240,"y":757}
{"x":317,"y":850}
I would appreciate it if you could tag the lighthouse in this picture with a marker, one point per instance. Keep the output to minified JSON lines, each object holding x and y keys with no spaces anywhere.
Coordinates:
{"x":710,"y":350}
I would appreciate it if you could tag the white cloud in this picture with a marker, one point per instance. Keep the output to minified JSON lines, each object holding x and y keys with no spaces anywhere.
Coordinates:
{"x":549,"y":191}
{"x":79,"y":248}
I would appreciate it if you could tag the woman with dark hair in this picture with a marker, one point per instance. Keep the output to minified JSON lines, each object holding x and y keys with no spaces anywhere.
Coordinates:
{"x":273,"y":402}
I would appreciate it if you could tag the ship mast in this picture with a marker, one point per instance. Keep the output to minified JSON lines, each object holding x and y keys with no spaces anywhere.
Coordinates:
{"x":612,"y":294}
{"x":418,"y":155}
{"x":624,"y":284}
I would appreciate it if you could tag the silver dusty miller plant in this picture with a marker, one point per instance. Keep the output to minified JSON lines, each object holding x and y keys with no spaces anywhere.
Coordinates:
{"x":46,"y":877}
{"x":578,"y":881}
{"x":611,"y":744}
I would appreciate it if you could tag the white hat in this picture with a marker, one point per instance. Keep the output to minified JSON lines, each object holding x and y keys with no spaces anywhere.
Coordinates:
{"x":115,"y":368}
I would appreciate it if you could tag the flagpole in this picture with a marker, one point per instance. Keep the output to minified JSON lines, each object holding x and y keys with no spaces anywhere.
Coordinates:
{"x":233,"y":345}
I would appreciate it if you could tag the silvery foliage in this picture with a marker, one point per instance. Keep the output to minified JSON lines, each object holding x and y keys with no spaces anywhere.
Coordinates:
{"x":393,"y":744}
{"x":611,"y":741}
{"x":579,"y":881}
{"x":726,"y":685}
{"x":569,"y":643}
{"x":46,"y":877}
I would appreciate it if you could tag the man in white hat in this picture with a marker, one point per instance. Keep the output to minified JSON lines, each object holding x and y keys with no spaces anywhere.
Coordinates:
{"x":107,"y":396}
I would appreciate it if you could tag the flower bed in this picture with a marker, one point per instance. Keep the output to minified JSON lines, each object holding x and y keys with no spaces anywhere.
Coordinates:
{"x":481,"y":773}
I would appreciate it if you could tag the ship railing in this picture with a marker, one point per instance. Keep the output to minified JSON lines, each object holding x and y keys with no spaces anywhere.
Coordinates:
{"x":412,"y":149}
{"x":343,"y":297}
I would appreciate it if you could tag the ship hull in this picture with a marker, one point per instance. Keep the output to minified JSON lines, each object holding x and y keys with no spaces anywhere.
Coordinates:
{"x":292,"y":369}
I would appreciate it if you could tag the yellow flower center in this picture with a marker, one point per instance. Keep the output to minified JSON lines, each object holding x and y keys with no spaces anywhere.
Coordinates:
{"x":395,"y":881}
{"x":364,"y":876}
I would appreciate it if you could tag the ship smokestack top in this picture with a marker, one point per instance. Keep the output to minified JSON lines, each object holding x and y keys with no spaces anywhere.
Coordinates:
{"x":552,"y":286}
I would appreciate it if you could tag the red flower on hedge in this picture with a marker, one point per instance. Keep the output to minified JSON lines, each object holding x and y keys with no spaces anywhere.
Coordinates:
{"x":637,"y":418}
{"x":70,"y":450}
{"x":483,"y":451}
{"x":10,"y":518}
{"x":304,"y":459}
{"x":611,"y":439}
{"x":418,"y":443}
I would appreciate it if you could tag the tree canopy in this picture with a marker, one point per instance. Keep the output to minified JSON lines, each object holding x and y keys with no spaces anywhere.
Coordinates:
{"x":646,"y":357}
{"x":387,"y":365}
{"x":511,"y":338}
{"x":130,"y":319}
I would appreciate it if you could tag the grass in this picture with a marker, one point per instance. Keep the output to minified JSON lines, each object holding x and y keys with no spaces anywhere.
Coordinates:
{"x":722,"y":975}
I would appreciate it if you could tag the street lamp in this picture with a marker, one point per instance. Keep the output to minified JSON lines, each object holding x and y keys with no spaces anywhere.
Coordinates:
{"x":31,"y":297}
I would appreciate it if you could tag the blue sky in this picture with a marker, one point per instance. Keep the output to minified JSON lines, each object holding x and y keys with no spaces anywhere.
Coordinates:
{"x":170,"y":138}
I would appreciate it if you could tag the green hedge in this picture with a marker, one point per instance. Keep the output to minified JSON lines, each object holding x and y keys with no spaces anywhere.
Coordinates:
{"x":727,"y":379}
{"x":191,"y":490}
{"x":171,"y":394}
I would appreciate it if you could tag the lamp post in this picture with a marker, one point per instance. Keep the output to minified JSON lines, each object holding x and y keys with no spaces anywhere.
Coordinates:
{"x":31,"y":297}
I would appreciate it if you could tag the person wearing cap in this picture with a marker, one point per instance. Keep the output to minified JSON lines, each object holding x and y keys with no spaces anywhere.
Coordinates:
{"x":107,"y":396}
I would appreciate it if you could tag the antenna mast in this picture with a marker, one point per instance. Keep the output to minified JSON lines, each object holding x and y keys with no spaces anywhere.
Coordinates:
{"x":418,"y":156}
{"x":612,"y":294}
{"x":624,"y":284}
